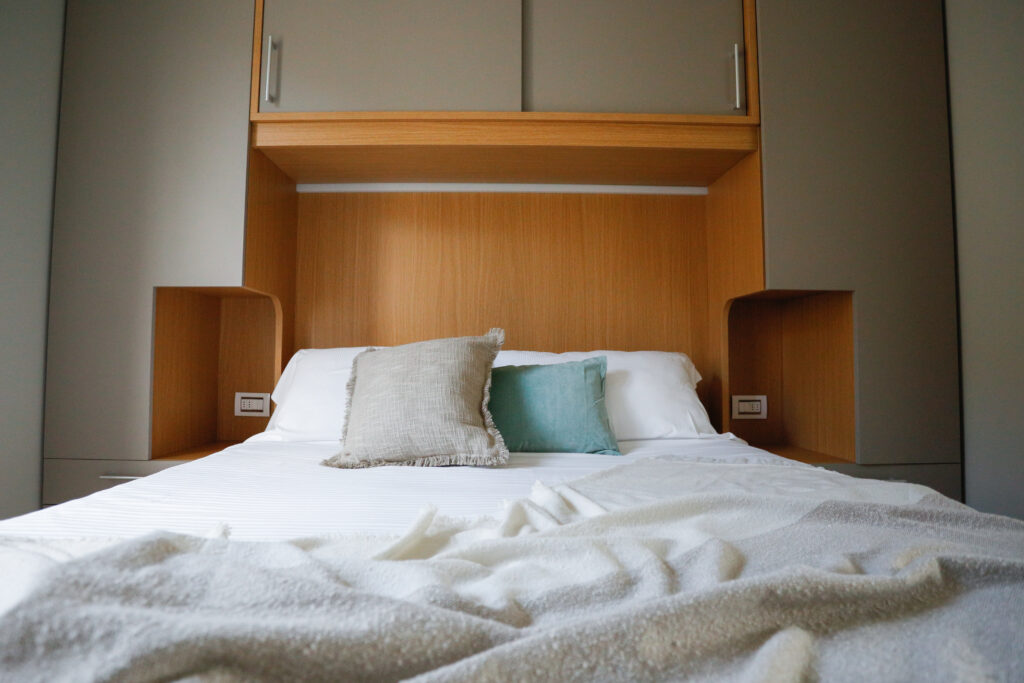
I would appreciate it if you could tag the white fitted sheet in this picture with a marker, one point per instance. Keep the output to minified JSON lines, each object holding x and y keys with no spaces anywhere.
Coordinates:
{"x":276,"y":490}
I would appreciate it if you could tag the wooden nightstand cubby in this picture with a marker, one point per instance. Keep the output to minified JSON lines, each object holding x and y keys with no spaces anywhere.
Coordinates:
{"x":795,"y":347}
{"x":210,"y":342}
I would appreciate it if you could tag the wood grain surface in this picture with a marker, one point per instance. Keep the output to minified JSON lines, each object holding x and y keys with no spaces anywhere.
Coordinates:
{"x":735,"y":262}
{"x":797,"y":349}
{"x":558,"y":272}
{"x":185,"y":356}
{"x":271,"y":211}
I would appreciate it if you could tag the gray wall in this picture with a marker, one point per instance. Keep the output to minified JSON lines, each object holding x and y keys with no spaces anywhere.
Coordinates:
{"x":150,"y":191}
{"x":31,"y":34}
{"x":857,"y":197}
{"x":986,"y":53}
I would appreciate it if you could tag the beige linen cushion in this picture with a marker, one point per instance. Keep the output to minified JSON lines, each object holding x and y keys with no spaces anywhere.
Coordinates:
{"x":422,"y":404}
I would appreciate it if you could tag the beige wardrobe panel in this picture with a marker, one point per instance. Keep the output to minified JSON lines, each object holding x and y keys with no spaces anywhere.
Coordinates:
{"x":31,"y":36}
{"x":392,"y":55}
{"x":986,"y":48}
{"x":856,"y":174}
{"x":646,"y":56}
{"x":150,"y":191}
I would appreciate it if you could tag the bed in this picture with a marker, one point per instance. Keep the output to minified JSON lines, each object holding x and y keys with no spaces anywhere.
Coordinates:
{"x":682,"y":558}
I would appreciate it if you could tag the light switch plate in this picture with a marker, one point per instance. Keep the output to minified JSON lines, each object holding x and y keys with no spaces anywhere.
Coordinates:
{"x":749,"y":407}
{"x":251,"y":404}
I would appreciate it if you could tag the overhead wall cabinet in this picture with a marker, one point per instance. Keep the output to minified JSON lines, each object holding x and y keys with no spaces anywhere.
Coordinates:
{"x":617,"y":56}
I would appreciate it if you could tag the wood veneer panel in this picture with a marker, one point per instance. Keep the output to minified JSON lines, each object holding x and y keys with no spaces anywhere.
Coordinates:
{"x":441,"y":131}
{"x":558,"y":272}
{"x":609,"y":152}
{"x":247,"y":361}
{"x":756,"y":366}
{"x":818,"y":385}
{"x":797,"y":349}
{"x":750,"y":61}
{"x":271,"y":211}
{"x":504,"y":164}
{"x":735,"y":262}
{"x":735,"y":232}
{"x":201,"y":451}
{"x":804,"y":455}
{"x":222,"y":291}
{"x":257,"y":60}
{"x":185,"y":343}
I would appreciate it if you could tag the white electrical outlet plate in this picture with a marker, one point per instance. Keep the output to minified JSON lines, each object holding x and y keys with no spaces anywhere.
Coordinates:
{"x":749,"y":407}
{"x":251,"y":404}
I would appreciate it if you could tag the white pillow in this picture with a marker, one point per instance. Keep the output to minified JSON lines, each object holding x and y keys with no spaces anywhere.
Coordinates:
{"x":648,"y":394}
{"x":311,"y":396}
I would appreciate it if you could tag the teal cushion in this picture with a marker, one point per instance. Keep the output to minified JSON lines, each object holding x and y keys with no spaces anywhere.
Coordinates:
{"x":553,"y":408}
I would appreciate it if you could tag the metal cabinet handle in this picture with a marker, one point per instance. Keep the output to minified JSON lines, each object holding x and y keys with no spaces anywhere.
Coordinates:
{"x":118,"y":477}
{"x":271,"y":46}
{"x":736,"y":70}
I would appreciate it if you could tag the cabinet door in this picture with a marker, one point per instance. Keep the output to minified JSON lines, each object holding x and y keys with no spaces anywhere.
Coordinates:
{"x":354,"y":55}
{"x":646,"y":56}
{"x":857,"y":196}
{"x":150,"y":191}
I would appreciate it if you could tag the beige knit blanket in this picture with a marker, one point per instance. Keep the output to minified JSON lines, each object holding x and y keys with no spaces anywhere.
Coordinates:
{"x":616,"y":577}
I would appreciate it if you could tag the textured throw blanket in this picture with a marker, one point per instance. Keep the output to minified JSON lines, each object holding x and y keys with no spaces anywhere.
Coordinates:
{"x":658,"y":570}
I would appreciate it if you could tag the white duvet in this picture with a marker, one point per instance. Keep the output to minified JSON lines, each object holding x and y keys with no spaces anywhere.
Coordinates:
{"x":709,"y":561}
{"x":272,"y":490}
{"x":278,"y":490}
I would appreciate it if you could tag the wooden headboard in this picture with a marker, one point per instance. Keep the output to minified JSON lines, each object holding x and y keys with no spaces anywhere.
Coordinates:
{"x":559,"y":272}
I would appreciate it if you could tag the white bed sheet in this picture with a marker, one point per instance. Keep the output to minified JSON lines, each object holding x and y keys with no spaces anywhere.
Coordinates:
{"x":275,"y":491}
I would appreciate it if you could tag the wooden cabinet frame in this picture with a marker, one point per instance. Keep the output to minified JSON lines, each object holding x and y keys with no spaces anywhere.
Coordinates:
{"x":287,"y":235}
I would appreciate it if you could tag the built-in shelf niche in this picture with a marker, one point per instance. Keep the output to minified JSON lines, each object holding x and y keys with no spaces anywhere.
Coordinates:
{"x":209,"y":342}
{"x":795,"y":347}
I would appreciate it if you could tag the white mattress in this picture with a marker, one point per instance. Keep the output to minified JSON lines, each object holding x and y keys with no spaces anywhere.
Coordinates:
{"x":275,"y":490}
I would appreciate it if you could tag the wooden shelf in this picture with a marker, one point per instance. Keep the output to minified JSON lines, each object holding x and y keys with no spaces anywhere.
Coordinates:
{"x":804,"y":455}
{"x":197,"y":452}
{"x":627,"y":150}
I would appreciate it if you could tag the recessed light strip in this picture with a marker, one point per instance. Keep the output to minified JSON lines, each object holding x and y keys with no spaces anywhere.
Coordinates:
{"x":500,"y":187}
